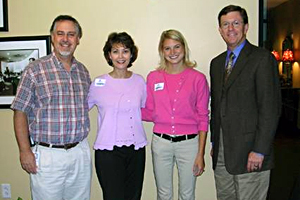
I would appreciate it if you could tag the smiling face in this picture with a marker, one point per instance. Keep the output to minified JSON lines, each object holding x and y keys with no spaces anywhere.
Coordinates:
{"x":173,"y":52}
{"x":232,"y":29}
{"x":120,"y":56}
{"x":65,"y":39}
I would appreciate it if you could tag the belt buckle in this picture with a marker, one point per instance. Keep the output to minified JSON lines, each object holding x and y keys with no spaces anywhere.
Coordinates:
{"x":70,"y":145}
{"x":175,"y":139}
{"x":66,"y":146}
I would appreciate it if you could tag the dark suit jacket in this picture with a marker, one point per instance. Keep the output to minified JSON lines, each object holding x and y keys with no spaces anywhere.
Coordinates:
{"x":247,"y":107}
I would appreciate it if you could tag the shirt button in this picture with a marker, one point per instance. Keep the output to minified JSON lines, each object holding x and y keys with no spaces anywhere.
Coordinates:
{"x":173,"y":109}
{"x":128,"y":101}
{"x":175,"y":100}
{"x":177,"y":91}
{"x":130,"y":117}
{"x":172,"y":117}
{"x":173,"y":127}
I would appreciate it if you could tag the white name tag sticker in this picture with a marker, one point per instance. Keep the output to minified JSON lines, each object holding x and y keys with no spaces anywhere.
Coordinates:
{"x":99,"y":82}
{"x":159,"y":86}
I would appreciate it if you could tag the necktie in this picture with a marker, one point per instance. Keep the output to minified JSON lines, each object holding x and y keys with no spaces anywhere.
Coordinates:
{"x":229,"y":66}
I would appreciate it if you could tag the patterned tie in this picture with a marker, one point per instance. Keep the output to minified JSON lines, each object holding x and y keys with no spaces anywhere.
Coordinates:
{"x":229,"y":66}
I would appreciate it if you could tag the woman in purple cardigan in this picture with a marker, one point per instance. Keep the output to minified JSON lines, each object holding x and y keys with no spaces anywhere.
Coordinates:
{"x":121,"y":140}
{"x":177,"y":104}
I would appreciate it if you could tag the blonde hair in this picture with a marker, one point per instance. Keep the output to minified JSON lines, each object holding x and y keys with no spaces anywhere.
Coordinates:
{"x":177,"y":36}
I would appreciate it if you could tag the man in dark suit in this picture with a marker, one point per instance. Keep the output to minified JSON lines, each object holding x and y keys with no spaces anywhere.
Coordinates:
{"x":245,"y":108}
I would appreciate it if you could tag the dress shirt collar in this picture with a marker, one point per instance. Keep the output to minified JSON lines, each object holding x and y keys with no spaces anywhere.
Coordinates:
{"x":236,"y":52}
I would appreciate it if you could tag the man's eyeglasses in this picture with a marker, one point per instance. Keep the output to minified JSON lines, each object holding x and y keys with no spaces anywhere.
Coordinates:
{"x":235,"y":24}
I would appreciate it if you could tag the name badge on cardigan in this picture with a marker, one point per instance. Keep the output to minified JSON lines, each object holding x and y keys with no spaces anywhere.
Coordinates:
{"x":100,"y":82}
{"x":159,"y":86}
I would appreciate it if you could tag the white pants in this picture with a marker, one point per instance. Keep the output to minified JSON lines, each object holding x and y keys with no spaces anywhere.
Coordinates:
{"x":62,"y":174}
{"x":164,"y":155}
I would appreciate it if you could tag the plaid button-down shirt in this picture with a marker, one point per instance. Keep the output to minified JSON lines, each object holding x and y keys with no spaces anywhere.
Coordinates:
{"x":54,"y":100}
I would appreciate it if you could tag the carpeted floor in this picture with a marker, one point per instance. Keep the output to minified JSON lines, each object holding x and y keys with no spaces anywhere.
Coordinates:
{"x":285,"y":177}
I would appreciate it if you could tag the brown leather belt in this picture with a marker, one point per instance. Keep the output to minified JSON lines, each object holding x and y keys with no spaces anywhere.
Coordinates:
{"x":64,"y":146}
{"x":176,"y":138}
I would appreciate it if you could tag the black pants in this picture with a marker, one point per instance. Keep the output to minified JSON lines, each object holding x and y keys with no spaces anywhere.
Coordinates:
{"x":121,"y":172}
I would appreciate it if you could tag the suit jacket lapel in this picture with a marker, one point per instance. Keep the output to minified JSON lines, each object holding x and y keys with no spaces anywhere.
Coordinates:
{"x":221,"y":71}
{"x":239,"y":65}
{"x":219,"y":74}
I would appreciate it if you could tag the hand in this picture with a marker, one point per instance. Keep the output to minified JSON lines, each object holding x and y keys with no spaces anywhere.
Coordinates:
{"x":255,"y":161}
{"x":28,"y":163}
{"x":199,"y":166}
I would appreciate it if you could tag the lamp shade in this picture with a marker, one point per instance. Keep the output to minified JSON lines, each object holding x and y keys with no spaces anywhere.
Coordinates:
{"x":276,"y":55}
{"x":288,"y":55}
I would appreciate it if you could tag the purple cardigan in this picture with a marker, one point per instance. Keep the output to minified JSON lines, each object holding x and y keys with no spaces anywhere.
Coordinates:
{"x":119,"y":103}
{"x":184,"y":109}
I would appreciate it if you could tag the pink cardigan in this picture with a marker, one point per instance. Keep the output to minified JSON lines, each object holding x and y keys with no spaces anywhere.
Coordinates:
{"x":184,"y":110}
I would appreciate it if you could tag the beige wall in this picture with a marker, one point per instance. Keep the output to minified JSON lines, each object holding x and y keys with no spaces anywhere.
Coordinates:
{"x":144,"y":20}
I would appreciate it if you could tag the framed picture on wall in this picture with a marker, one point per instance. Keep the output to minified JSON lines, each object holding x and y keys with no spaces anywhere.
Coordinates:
{"x":15,"y":54}
{"x":3,"y":15}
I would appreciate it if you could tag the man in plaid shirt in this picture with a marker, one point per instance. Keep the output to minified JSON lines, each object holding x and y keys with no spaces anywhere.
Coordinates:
{"x":51,"y":111}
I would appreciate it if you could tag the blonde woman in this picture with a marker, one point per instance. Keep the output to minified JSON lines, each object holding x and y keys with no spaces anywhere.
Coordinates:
{"x":177,"y":104}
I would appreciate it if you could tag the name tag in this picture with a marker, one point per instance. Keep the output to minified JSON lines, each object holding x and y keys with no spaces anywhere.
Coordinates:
{"x":100,"y":82}
{"x":159,"y":86}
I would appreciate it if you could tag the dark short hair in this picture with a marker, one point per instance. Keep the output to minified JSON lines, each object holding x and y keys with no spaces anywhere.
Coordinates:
{"x":233,"y":8}
{"x":66,"y":18}
{"x":120,"y":38}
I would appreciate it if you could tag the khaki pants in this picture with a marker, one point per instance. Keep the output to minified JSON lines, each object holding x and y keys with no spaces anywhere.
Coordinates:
{"x":249,"y":186}
{"x":164,"y":156}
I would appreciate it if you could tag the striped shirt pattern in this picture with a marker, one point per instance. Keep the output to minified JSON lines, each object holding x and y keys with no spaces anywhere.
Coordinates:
{"x":54,"y":100}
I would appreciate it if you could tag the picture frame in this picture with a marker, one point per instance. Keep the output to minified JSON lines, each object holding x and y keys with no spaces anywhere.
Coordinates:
{"x":3,"y":15}
{"x":15,"y":54}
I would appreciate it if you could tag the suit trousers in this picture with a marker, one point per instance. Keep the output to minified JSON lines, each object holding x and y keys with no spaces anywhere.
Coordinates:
{"x":164,"y":156}
{"x":62,"y":174}
{"x":248,"y":186}
{"x":121,"y":172}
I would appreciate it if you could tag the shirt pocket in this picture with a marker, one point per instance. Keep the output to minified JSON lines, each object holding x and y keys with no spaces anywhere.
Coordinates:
{"x":47,"y":91}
